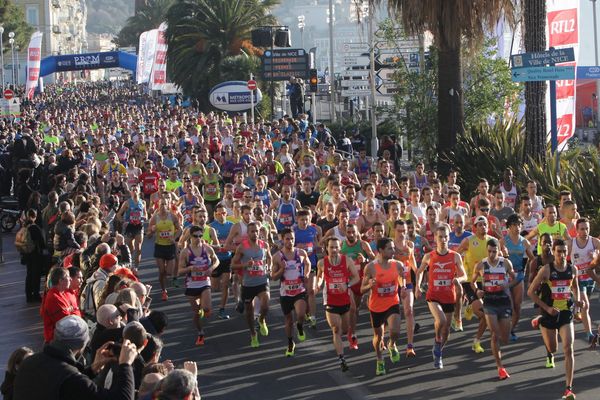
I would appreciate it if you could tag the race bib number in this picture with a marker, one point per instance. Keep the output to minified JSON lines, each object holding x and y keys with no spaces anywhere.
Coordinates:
{"x":165,"y":235}
{"x":286,"y":219}
{"x":561,"y":290}
{"x":337,"y":287}
{"x":388,"y":289}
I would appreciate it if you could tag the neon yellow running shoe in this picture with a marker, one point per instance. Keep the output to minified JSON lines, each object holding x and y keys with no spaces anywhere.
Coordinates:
{"x":394,"y":353}
{"x":550,"y":362}
{"x":477,"y":348}
{"x":264,"y":329}
{"x":302,"y":337}
{"x":380,"y":369}
{"x":201,"y":313}
{"x":289,"y":351}
{"x":254,"y":341}
{"x":469,"y":313}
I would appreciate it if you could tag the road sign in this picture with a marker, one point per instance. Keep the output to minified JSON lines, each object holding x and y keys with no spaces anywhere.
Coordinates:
{"x":588,"y":72}
{"x":356,"y":61}
{"x":10,"y":107}
{"x":355,"y":82}
{"x":281,"y":64}
{"x":356,"y":48}
{"x":355,"y":72}
{"x":387,"y":88}
{"x":8,"y":94}
{"x":251,"y":84}
{"x":532,"y":74}
{"x":355,"y":92}
{"x":539,"y":59}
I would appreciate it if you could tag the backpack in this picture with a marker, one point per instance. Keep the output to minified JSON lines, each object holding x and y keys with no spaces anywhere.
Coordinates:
{"x":88,"y":304}
{"x":23,"y":241}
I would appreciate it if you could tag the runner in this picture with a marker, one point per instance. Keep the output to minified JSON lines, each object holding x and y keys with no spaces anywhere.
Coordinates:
{"x":133,"y":214}
{"x":445,"y":272}
{"x":456,"y":237}
{"x":221,"y":275}
{"x":383,"y":280}
{"x":338,"y":273}
{"x":518,"y":250}
{"x":474,"y":249}
{"x":556,"y":303}
{"x":497,"y":273}
{"x":197,"y":261}
{"x":253,"y":257}
{"x":292,"y":266}
{"x":307,"y":237}
{"x":167,"y":228}
{"x":360,"y":253}
{"x":285,"y":209}
{"x":584,"y":251}
{"x":550,"y":225}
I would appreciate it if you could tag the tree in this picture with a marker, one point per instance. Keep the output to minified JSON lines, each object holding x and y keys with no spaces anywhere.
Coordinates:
{"x":450,"y":21}
{"x":535,"y":92}
{"x":148,"y":17}
{"x":203,"y":34}
{"x":13,"y":20}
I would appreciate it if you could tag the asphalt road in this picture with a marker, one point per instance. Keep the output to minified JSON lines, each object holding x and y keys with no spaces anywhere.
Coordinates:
{"x":229,"y":368}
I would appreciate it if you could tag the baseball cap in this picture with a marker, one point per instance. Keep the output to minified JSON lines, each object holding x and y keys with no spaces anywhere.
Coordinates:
{"x":481,"y":218}
{"x":108,"y":261}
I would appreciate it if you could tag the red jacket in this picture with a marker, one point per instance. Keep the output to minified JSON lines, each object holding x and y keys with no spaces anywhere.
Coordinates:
{"x":55,"y":306}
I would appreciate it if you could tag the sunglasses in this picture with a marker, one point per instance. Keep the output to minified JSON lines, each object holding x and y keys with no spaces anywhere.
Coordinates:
{"x":484,"y":209}
{"x":197,"y":235}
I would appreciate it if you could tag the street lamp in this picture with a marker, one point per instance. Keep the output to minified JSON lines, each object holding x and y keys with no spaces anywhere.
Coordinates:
{"x":331,"y":20}
{"x":596,"y":59}
{"x":11,"y":35}
{"x":2,"y":55}
{"x":18,"y":49}
{"x":301,"y":26}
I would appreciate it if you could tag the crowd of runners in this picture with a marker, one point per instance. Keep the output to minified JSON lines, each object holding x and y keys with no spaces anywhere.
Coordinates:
{"x":235,"y":207}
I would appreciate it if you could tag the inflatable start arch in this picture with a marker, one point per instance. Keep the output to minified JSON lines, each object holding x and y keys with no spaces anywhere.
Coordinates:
{"x":79,"y":62}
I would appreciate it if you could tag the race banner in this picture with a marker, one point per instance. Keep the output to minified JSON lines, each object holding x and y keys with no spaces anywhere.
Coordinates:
{"x":563,"y":31}
{"x":34,"y":57}
{"x":139,"y":70}
{"x":159,"y":66}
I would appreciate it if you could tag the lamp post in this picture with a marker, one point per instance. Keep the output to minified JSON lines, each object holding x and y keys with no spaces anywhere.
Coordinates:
{"x":596,"y":59}
{"x":11,"y":40}
{"x":18,"y":78}
{"x":301,"y":26}
{"x":2,"y":55}
{"x":331,"y":70}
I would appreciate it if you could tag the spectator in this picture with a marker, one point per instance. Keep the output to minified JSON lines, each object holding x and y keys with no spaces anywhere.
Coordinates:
{"x":35,"y":260}
{"x":64,"y":377}
{"x":109,"y":326}
{"x":59,"y":302}
{"x":180,"y":384}
{"x":155,"y":323}
{"x":14,"y":362}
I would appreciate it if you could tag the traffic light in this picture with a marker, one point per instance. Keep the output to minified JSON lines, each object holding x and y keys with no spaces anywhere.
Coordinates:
{"x":313,"y":80}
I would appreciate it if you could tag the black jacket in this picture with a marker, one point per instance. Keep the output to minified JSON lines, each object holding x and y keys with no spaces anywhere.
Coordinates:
{"x":58,"y":376}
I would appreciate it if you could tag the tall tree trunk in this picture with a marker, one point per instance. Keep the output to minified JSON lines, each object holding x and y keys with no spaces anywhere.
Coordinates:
{"x":450,"y":101}
{"x":535,"y":92}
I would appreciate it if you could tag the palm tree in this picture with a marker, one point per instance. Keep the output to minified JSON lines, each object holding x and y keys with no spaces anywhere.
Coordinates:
{"x":450,"y":22}
{"x":535,"y":92}
{"x":202,"y":34}
{"x":148,"y":17}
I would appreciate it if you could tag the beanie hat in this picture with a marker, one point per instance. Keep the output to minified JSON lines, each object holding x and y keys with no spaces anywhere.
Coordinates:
{"x":72,"y":331}
{"x":108,"y":261}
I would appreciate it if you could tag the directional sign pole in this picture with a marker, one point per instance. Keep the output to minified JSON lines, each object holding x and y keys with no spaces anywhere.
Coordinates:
{"x":553,"y":127}
{"x":252,"y":102}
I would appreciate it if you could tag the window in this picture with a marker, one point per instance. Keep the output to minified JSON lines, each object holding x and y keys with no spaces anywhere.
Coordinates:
{"x":32,"y":15}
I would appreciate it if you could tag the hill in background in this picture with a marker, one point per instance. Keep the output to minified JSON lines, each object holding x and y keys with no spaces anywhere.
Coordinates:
{"x":108,"y":16}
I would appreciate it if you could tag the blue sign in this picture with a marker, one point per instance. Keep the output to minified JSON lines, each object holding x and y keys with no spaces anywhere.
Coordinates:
{"x":539,"y":59}
{"x":542,"y":74}
{"x":588,"y":72}
{"x":74,"y":62}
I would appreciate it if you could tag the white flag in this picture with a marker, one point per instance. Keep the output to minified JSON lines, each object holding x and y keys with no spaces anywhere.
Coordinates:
{"x":34,"y":57}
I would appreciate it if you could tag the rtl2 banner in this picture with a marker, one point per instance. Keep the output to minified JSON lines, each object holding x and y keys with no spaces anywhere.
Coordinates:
{"x":159,"y":66}
{"x":563,"y":31}
{"x":34,"y":57}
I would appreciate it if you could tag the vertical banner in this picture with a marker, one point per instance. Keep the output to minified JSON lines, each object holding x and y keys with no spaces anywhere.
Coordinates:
{"x":139,"y":71}
{"x":563,"y":31}
{"x":34,"y":57}
{"x":159,"y":66}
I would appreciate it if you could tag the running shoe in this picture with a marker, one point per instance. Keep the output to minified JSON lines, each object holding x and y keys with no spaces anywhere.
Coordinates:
{"x":456,"y":325}
{"x":469,"y":313}
{"x":264,"y":329}
{"x":591,"y":337}
{"x":477,"y":348}
{"x":410,"y":352}
{"x":569,"y":395}
{"x":344,"y":365}
{"x":301,"y":336}
{"x":201,"y":313}
{"x":394,"y":353}
{"x":502,"y":374}
{"x":200,"y":340}
{"x":312,"y":321}
{"x":353,"y":342}
{"x":164,"y":296}
{"x":417,"y":328}
{"x":222,"y":314}
{"x":550,"y":362}
{"x":535,"y":323}
{"x":513,"y":337}
{"x":437,"y":357}
{"x":240,"y":307}
{"x":438,"y":363}
{"x":577,"y":317}
{"x":289,"y":352}
{"x":254,"y":341}
{"x":380,"y":369}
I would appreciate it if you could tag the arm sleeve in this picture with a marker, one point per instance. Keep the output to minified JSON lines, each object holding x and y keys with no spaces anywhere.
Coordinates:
{"x":79,"y":387}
